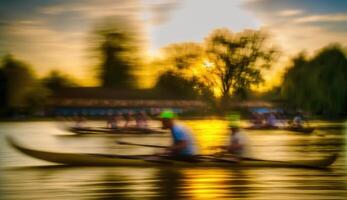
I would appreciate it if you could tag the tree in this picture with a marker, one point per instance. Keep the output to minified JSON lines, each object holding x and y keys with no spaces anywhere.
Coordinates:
{"x":318,"y":84}
{"x":119,"y":45}
{"x":37,"y":98}
{"x":238,"y":59}
{"x":227,"y":61}
{"x":19,"y":81}
{"x":180,"y":86}
{"x":57,"y":80}
{"x":182,"y":62}
{"x":182,"y":56}
{"x":22,"y":91}
{"x":3,"y":100}
{"x":330,"y":84}
{"x":294,"y":77}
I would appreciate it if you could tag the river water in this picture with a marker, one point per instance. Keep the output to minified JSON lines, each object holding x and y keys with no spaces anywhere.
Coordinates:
{"x":22,"y":177}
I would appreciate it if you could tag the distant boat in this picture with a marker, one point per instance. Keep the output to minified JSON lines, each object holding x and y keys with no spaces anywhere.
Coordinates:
{"x":96,"y":130}
{"x":294,"y":129}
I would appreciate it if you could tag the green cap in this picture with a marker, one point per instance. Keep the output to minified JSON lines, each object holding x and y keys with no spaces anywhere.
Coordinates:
{"x":234,"y":119}
{"x":167,"y":114}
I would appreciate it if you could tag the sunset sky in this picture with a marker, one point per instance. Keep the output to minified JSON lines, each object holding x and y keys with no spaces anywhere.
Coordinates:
{"x":54,"y":34}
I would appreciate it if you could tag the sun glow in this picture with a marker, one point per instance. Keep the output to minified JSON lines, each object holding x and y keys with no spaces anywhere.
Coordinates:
{"x":207,"y":64}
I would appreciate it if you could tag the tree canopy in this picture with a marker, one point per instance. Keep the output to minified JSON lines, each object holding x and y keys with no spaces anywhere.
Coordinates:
{"x":21,"y":88}
{"x":19,"y":81}
{"x":57,"y":80}
{"x":182,"y":56}
{"x":118,"y":44}
{"x":318,"y":84}
{"x":237,"y":59}
{"x":229,"y":62}
{"x":183,"y":76}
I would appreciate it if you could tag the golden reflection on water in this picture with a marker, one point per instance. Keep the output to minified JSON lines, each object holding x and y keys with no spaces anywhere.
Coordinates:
{"x":212,"y":183}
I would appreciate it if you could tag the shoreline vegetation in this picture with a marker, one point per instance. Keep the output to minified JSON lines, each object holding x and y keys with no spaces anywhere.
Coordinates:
{"x":218,"y":71}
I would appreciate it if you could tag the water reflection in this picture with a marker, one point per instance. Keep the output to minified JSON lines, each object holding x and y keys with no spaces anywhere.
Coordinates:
{"x":124,"y":183}
{"x":198,"y":183}
{"x":170,"y":183}
{"x":216,"y":183}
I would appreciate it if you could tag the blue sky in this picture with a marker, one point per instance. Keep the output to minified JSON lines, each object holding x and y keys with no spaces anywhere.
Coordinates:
{"x":54,"y":34}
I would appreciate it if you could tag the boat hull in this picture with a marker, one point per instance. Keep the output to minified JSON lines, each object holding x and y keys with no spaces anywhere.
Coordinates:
{"x":84,"y":159}
{"x":293,"y":129}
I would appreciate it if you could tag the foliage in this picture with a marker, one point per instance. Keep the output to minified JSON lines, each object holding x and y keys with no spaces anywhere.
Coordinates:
{"x":118,"y":44}
{"x":21,"y":89}
{"x":226,"y":61}
{"x":183,"y":75}
{"x":237,"y":59}
{"x":171,"y":81}
{"x":318,"y":84}
{"x":182,"y":56}
{"x":19,"y":81}
{"x":3,"y":100}
{"x":37,"y":98}
{"x":57,"y":80}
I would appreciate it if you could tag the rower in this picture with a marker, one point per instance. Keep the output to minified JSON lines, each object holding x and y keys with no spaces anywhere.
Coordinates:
{"x":183,"y":146}
{"x":113,"y":121}
{"x":271,"y":120}
{"x":235,"y":149}
{"x":110,"y":123}
{"x":80,"y":121}
{"x":128,"y":117}
{"x":256,"y":120}
{"x":237,"y":141}
{"x":298,"y":120}
{"x":141,"y":120}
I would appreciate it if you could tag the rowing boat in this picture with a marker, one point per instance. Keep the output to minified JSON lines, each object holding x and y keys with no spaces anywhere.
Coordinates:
{"x":294,"y":129}
{"x":134,"y":130}
{"x":300,"y":129}
{"x":85,"y":159}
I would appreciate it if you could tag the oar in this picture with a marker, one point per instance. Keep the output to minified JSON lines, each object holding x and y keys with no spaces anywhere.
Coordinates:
{"x":142,"y":145}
